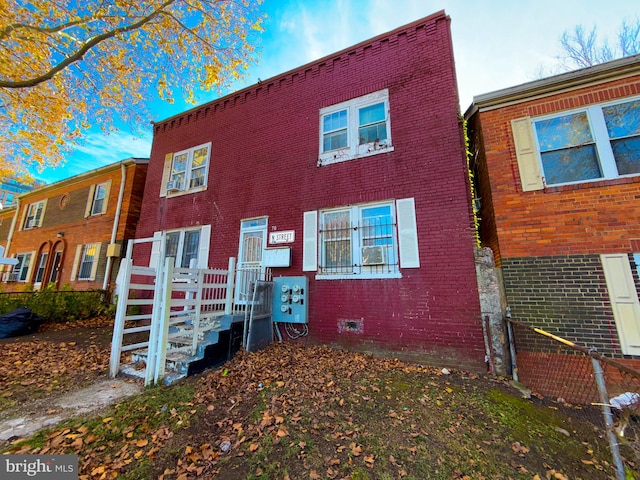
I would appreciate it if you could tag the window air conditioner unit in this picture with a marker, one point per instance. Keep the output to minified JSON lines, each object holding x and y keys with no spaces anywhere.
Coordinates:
{"x":373,"y":255}
{"x":174,"y":186}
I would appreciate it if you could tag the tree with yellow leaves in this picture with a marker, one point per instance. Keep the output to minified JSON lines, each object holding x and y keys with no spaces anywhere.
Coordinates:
{"x":67,"y":65}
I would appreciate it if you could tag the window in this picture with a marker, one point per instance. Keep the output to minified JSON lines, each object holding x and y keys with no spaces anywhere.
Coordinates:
{"x":357,"y":128}
{"x":99,"y":199}
{"x":87,"y":261}
{"x":189,"y":247}
{"x":20,"y":271}
{"x":362,"y":241}
{"x":598,"y":142}
{"x":42,"y":265}
{"x":34,"y":214}
{"x":187,"y":170}
{"x":183,"y":247}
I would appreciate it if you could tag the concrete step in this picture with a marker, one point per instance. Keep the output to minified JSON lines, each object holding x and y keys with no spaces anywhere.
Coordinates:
{"x":220,"y":339}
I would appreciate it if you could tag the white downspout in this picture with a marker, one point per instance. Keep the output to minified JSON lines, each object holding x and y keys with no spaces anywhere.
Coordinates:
{"x":116,"y":220}
{"x":11,"y":230}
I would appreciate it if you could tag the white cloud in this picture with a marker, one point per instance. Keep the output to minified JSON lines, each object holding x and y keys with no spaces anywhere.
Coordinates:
{"x":98,"y":150}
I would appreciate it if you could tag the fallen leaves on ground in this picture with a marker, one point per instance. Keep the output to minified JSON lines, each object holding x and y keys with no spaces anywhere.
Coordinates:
{"x":40,"y":366}
{"x":298,"y":411}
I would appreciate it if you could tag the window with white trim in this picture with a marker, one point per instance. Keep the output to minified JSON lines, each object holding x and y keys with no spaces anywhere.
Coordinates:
{"x":356,"y":128}
{"x":88,"y":259}
{"x":183,"y":247}
{"x":188,"y":246}
{"x":188,"y":171}
{"x":34,"y":216}
{"x":99,"y":201}
{"x":20,"y":272}
{"x":597,"y":142}
{"x":372,"y":240}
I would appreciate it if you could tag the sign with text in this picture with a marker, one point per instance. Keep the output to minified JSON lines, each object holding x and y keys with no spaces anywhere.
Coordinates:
{"x":39,"y":467}
{"x":285,"y":236}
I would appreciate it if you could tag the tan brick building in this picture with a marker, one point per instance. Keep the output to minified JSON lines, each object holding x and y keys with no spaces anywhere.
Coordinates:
{"x":72,"y":231}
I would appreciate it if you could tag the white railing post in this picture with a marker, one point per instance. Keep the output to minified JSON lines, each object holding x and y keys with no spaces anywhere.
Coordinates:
{"x":121,"y":312}
{"x":231,"y":275}
{"x":163,"y":330}
{"x":198,"y":311}
{"x":156,"y":311}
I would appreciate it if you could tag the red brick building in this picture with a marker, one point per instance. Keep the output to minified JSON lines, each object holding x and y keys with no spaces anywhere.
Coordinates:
{"x":558,"y":174}
{"x":357,"y":163}
{"x":71,"y":232}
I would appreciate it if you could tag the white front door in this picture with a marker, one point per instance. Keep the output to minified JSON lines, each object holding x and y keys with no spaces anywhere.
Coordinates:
{"x":253,"y":238}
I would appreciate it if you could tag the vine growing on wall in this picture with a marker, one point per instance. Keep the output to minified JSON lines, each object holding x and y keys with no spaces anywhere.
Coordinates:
{"x":472,"y":184}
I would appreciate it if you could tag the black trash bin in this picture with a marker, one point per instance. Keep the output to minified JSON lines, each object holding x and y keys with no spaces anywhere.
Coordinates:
{"x":21,"y":321}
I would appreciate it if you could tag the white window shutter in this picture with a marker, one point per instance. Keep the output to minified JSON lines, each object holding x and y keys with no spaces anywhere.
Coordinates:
{"x":624,"y":300}
{"x":96,"y":260}
{"x":155,"y":249}
{"x":107,"y":190}
{"x":526,"y":154}
{"x":92,"y":192}
{"x":32,"y":261}
{"x":203,"y":248}
{"x":407,"y":233}
{"x":24,"y":216}
{"x":166,"y":173}
{"x":310,"y":242}
{"x":76,"y":263}
{"x":44,"y":208}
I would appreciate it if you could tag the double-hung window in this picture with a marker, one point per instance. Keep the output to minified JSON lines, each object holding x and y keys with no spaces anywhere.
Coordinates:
{"x":34,"y":215}
{"x":189,"y":247}
{"x":98,"y":198}
{"x":187,"y":170}
{"x":356,"y":128}
{"x":596,"y":142}
{"x":182,"y":246}
{"x":371,"y":240}
{"x":88,"y":262}
{"x":20,"y":272}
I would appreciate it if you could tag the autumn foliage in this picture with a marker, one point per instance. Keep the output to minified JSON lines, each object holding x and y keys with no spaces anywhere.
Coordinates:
{"x":66,"y":66}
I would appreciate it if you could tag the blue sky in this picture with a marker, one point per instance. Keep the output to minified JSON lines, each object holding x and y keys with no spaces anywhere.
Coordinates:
{"x":497,"y":44}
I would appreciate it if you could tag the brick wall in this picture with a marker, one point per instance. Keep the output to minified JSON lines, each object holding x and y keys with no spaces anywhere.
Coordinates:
{"x":264,"y":162}
{"x":564,"y":295}
{"x":592,"y":217}
{"x":68,"y":219}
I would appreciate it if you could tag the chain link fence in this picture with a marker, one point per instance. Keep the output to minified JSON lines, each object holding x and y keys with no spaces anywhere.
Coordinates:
{"x":606,"y":391}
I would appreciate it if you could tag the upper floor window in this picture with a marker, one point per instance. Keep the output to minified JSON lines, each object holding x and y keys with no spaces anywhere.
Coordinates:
{"x":597,"y":142}
{"x":356,"y":128}
{"x":187,"y":170}
{"x":99,"y":198}
{"x":34,"y":215}
{"x":371,"y":240}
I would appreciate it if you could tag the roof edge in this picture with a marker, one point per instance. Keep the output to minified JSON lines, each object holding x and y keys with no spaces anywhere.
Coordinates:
{"x":82,"y":176}
{"x":621,"y":67}
{"x":434,"y":17}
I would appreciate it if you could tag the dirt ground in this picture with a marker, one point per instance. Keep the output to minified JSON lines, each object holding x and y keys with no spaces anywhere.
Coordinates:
{"x":39,"y":386}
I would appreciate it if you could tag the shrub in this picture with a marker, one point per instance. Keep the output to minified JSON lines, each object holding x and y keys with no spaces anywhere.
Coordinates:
{"x":58,"y":306}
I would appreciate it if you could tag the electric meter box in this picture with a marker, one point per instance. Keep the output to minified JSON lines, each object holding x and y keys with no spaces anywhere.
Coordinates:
{"x":290,"y":299}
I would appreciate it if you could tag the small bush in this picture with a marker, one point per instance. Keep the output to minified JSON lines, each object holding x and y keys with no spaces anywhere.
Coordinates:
{"x":58,"y":306}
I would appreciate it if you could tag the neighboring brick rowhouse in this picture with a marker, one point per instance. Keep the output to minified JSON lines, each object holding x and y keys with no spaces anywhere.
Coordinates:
{"x":548,"y":241}
{"x":66,"y":225}
{"x":264,"y":162}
